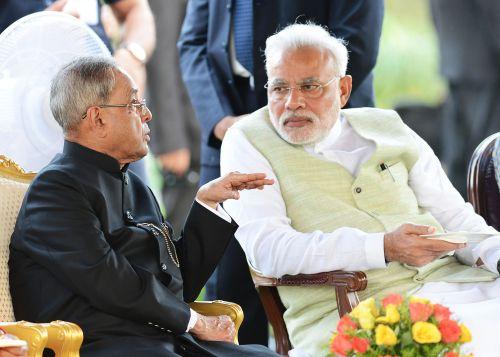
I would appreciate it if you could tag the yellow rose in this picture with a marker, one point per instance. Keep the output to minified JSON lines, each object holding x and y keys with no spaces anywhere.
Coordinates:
{"x":366,"y":320}
{"x":391,"y":315}
{"x":370,"y":305}
{"x":384,"y":335}
{"x":425,"y":332}
{"x":419,"y":299}
{"x":465,"y":335}
{"x":364,"y":316}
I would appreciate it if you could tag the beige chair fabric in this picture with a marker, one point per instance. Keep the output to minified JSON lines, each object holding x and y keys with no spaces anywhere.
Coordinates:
{"x":13,"y":186}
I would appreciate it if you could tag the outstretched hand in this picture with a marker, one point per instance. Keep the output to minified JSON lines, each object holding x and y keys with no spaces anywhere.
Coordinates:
{"x":228,"y":187}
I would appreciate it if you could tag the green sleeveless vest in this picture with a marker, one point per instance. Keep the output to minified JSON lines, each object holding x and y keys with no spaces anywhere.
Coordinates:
{"x":322,"y":195}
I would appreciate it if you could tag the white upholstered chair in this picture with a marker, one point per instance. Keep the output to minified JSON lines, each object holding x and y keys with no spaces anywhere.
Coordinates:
{"x":63,"y":337}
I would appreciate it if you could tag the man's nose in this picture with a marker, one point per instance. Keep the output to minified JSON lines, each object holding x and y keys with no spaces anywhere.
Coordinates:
{"x":295,"y":99}
{"x":147,"y":116}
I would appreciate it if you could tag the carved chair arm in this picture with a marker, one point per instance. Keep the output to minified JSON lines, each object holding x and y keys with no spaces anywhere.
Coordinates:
{"x":346,"y":284}
{"x":64,"y":338}
{"x":35,"y":335}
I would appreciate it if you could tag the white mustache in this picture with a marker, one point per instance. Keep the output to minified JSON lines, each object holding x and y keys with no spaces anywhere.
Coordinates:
{"x":307,"y":115}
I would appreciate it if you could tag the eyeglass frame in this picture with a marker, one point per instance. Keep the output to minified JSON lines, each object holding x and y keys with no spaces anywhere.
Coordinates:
{"x":298,"y":87}
{"x":141,"y":105}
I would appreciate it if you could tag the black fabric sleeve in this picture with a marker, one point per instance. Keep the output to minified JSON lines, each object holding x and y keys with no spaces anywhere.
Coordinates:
{"x":204,"y":239}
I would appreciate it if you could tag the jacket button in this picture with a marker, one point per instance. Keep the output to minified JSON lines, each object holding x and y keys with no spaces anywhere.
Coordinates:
{"x":358,"y":190}
{"x":163,"y":267}
{"x":129,"y":215}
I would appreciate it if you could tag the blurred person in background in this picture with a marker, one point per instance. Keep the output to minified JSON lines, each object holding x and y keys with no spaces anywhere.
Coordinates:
{"x":469,"y":42}
{"x":175,"y":139}
{"x":221,"y":45}
{"x":137,"y":40}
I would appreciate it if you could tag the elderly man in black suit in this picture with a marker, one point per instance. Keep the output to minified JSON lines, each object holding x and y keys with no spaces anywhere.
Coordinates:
{"x":91,"y":246}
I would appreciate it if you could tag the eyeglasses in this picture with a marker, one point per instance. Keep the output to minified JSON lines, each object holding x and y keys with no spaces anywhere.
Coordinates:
{"x":281,"y":91}
{"x":140,"y":107}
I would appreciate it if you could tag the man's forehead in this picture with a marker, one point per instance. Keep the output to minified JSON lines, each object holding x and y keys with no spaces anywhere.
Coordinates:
{"x":126,"y":84}
{"x":304,"y":64}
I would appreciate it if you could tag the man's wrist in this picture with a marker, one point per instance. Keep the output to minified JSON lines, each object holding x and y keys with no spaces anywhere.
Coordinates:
{"x":200,"y":326}
{"x":193,"y":319}
{"x":135,"y":50}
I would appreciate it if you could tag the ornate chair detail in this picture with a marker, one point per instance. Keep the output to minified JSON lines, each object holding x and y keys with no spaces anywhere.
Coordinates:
{"x":483,"y":190}
{"x":64,"y":338}
{"x":345,"y":283}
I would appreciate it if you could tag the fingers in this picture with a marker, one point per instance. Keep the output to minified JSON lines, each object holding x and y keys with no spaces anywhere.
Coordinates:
{"x":259,"y":184}
{"x":409,"y":228}
{"x":13,"y":352}
{"x":237,"y":178}
{"x":228,"y":327}
{"x":443,"y":246}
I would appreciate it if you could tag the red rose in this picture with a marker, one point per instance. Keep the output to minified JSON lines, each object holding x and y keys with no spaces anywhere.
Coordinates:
{"x":451,"y":354}
{"x":450,"y":331}
{"x":360,"y":344}
{"x":341,"y":345}
{"x":394,"y":299}
{"x":346,"y":324}
{"x":441,"y":312}
{"x":420,"y":311}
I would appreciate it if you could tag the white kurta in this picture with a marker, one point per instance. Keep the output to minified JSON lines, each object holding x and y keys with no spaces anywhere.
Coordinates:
{"x":274,"y":248}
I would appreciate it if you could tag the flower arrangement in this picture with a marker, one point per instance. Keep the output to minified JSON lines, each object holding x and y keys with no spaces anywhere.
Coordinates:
{"x":405,"y":327}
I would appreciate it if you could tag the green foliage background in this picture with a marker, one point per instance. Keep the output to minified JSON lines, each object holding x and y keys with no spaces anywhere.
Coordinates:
{"x":407,"y":69}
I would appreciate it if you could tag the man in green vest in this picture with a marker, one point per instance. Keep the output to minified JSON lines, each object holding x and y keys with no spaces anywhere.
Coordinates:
{"x":356,"y":189}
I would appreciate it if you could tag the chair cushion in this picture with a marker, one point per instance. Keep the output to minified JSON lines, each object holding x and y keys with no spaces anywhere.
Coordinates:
{"x":11,"y":193}
{"x":492,"y":187}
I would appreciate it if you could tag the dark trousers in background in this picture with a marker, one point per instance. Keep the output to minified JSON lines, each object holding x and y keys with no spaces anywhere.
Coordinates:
{"x":231,"y":281}
{"x":471,"y":113}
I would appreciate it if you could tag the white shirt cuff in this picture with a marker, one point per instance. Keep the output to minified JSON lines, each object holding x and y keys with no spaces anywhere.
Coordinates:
{"x":489,"y":252}
{"x":374,"y":251}
{"x":192,"y":320}
{"x":219,"y":211}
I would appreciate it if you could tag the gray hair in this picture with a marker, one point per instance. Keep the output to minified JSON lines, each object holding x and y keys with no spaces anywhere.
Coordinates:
{"x":306,"y":35}
{"x":82,"y":83}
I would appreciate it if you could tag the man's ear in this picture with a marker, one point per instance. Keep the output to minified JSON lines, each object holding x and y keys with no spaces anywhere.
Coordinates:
{"x":345,"y":85}
{"x":96,"y":123}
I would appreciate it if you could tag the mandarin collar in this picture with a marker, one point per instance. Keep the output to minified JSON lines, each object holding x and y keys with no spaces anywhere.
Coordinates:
{"x":93,"y":157}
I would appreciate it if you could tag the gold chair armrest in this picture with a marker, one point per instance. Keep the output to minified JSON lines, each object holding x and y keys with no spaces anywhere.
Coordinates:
{"x":64,"y":338}
{"x":219,"y":307}
{"x":35,"y":335}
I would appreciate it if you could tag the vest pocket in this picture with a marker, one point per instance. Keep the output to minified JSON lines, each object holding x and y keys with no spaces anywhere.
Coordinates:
{"x":396,"y":173}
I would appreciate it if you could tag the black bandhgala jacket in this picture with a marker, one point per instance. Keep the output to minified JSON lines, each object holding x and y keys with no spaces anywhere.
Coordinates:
{"x":78,"y":254}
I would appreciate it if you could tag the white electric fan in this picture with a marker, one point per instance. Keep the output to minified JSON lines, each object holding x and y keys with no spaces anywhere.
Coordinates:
{"x":32,"y":50}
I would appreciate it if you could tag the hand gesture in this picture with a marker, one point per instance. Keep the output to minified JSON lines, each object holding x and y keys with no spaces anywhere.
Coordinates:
{"x":214,"y":328}
{"x":405,"y":245}
{"x":227,"y":187}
